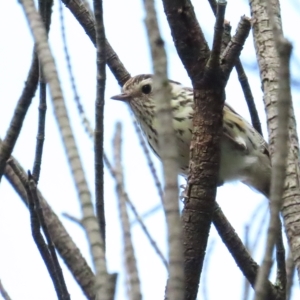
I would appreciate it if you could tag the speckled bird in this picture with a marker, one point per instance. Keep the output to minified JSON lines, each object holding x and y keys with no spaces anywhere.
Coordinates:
{"x":244,"y":152}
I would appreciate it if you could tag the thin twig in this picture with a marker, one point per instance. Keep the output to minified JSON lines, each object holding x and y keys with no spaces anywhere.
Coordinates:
{"x":73,"y":219}
{"x":33,"y":206}
{"x":150,"y":212}
{"x":16,"y":123}
{"x":130,"y":260}
{"x":99,"y":117}
{"x":138,"y":218}
{"x":168,"y":154}
{"x":85,"y":122}
{"x":235,"y":46}
{"x":248,"y":96}
{"x":214,"y":59}
{"x":259,"y":231}
{"x":45,"y":8}
{"x":47,"y":251}
{"x":143,"y":226}
{"x":41,"y":130}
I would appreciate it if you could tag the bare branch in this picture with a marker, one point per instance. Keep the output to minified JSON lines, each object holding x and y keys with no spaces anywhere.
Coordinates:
{"x":65,"y":246}
{"x":193,"y":51}
{"x":36,"y":219}
{"x":214,"y":58}
{"x":168,"y":154}
{"x":243,"y":82}
{"x":232,"y":52}
{"x":283,"y":99}
{"x":24,"y":102}
{"x":86,"y":20}
{"x":99,"y":117}
{"x":146,"y":231}
{"x":45,"y":8}
{"x":270,"y":66}
{"x":238,"y":251}
{"x":80,"y":109}
{"x":187,"y":35}
{"x":47,"y":251}
{"x":248,"y":96}
{"x":89,"y":220}
{"x":130,"y":260}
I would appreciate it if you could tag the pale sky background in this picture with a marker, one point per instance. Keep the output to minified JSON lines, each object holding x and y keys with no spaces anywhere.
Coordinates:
{"x":22,"y":270}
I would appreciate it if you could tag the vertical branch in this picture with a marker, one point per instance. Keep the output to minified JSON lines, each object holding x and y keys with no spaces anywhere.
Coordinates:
{"x":244,"y":83}
{"x":168,"y":154}
{"x":281,"y":276}
{"x":89,"y":220}
{"x":130,"y":261}
{"x":45,"y":8}
{"x":99,"y":116}
{"x":208,"y":81}
{"x":278,"y":104}
{"x":268,"y":60}
{"x":41,"y":130}
{"x":204,"y":160}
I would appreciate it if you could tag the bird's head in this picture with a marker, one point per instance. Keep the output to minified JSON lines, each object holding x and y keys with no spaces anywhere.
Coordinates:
{"x":138,"y":92}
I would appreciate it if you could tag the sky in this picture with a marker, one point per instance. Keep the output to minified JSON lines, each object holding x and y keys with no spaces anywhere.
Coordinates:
{"x":22,"y":270}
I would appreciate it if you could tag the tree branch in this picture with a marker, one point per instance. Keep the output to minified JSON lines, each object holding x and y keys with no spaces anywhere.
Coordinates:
{"x":86,"y":20}
{"x":65,"y":246}
{"x":130,"y":260}
{"x":20,"y":112}
{"x":273,"y":61}
{"x":168,"y":154}
{"x":239,"y":253}
{"x":99,"y":117}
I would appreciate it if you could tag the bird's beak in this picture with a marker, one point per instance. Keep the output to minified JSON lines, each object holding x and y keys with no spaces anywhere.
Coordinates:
{"x":122,"y":97}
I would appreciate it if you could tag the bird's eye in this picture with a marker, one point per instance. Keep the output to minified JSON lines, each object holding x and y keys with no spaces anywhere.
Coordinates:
{"x":146,"y":89}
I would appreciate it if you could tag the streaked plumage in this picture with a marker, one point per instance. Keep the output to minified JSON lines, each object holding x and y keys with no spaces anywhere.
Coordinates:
{"x":244,"y":152}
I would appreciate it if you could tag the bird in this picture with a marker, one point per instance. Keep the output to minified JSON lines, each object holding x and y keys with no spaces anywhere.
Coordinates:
{"x":244,"y":152}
